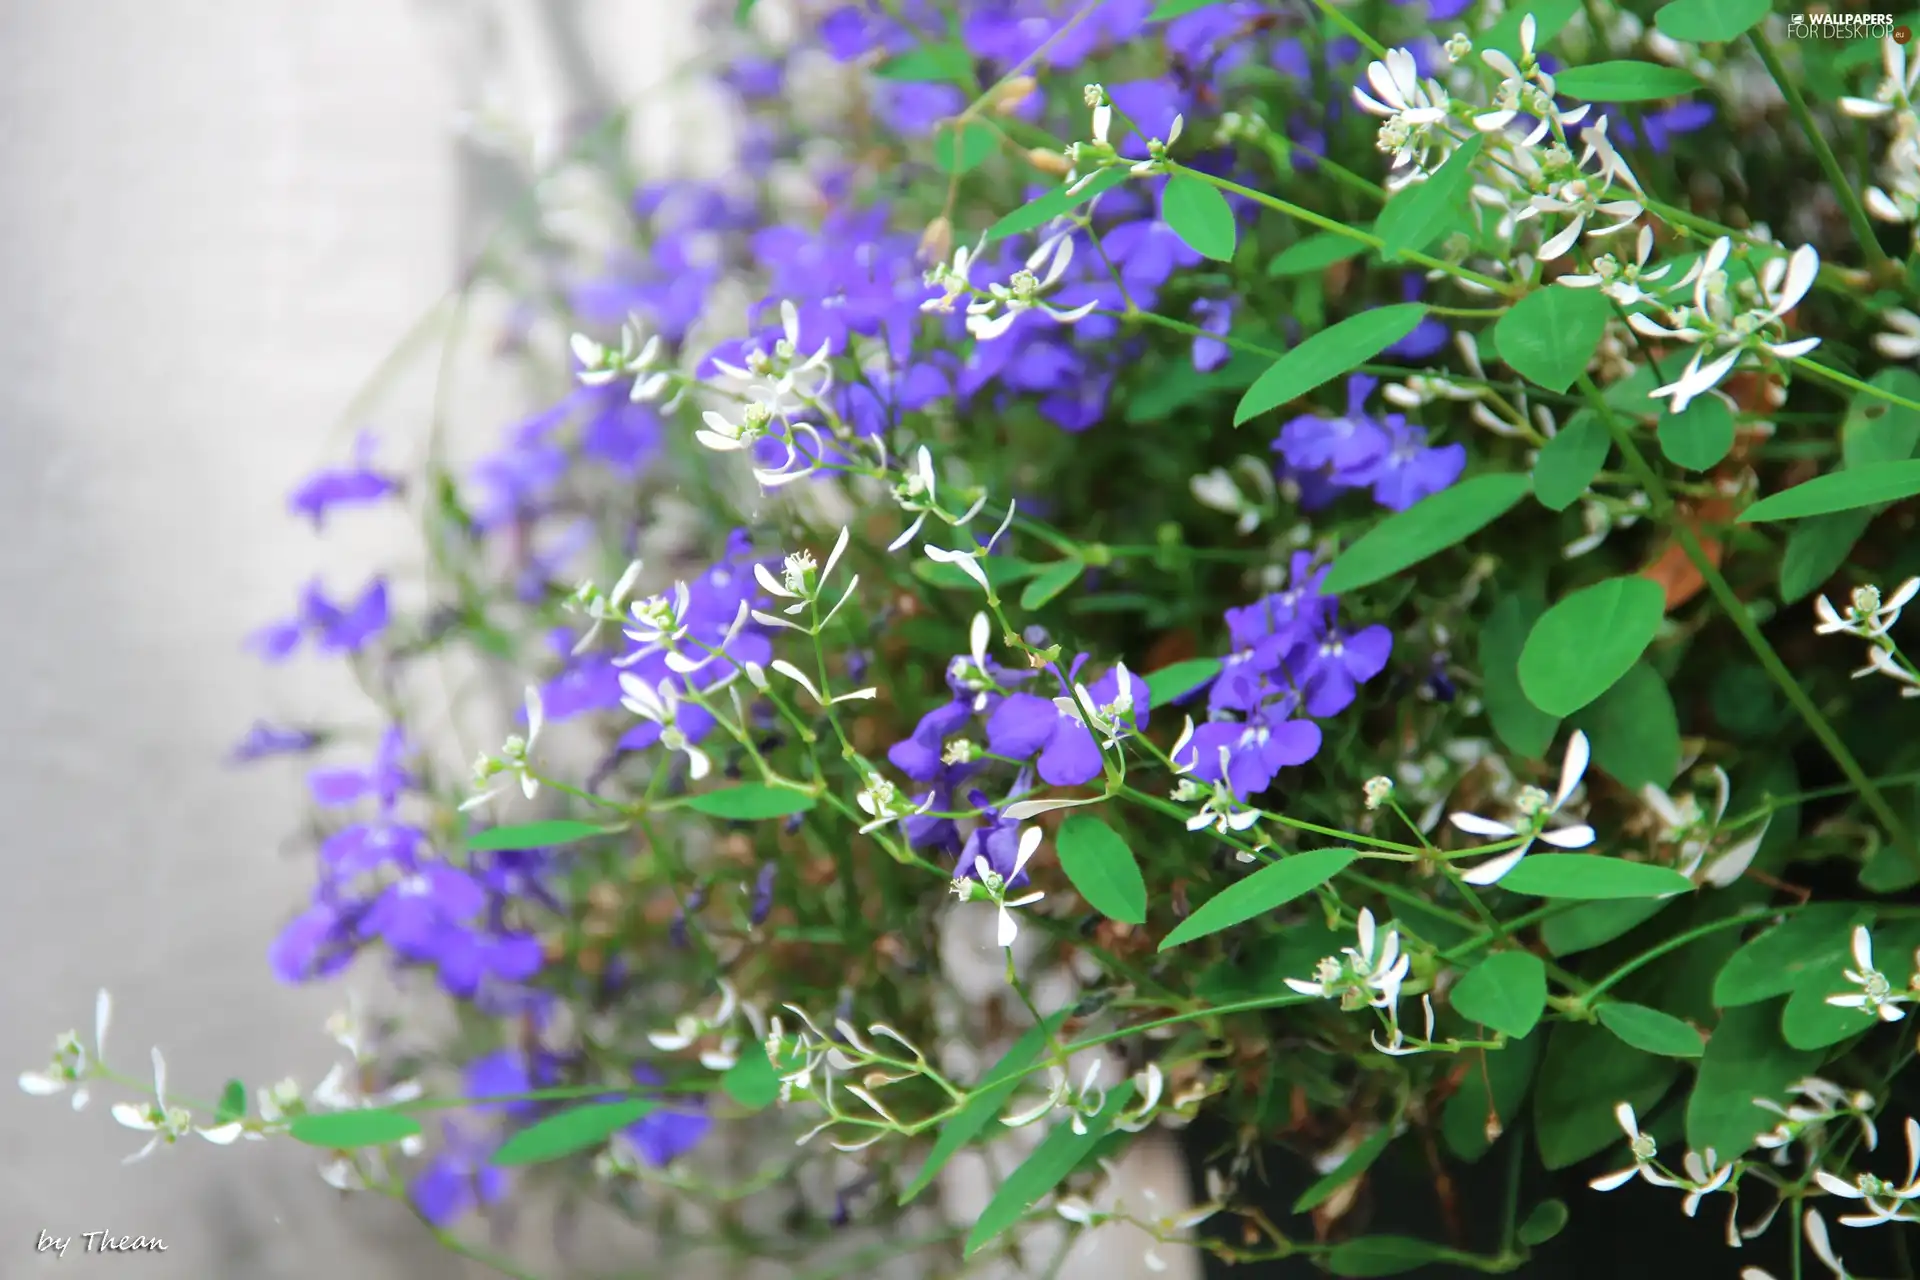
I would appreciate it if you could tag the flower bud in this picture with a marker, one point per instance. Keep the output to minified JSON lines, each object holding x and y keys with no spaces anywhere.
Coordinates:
{"x":1049,"y":162}
{"x":936,"y":242}
{"x":1012,"y":94}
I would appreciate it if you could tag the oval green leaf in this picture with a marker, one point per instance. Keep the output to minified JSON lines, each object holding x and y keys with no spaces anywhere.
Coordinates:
{"x":1507,"y":992}
{"x":1700,"y":437}
{"x":751,"y":802}
{"x":1814,"y":939}
{"x":1327,"y":355}
{"x":752,"y":1082}
{"x":1591,"y":877}
{"x":1102,"y":868}
{"x":233,"y":1103}
{"x":1315,"y":253}
{"x":1050,"y":582}
{"x":534,"y":835}
{"x":1586,"y":642}
{"x":1547,"y":1220}
{"x":1415,"y":214}
{"x":1426,"y":528}
{"x":1058,"y":1155}
{"x":1199,"y":215}
{"x":1273,"y":885}
{"x":1745,"y":1060}
{"x":1570,"y":460}
{"x":1523,"y":728}
{"x":1170,"y":682}
{"x":943,"y":63}
{"x":1650,"y":1030}
{"x":1634,"y":730}
{"x":1585,"y":1073}
{"x":1382,"y":1256}
{"x":1862,"y":486}
{"x":574,"y":1129}
{"x":962,"y":147}
{"x":1709,"y":21}
{"x":1549,"y":336}
{"x":1038,"y":213}
{"x":345,"y":1130}
{"x":1625,"y":82}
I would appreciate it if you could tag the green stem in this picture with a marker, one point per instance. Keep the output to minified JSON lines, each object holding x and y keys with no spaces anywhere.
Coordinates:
{"x":1842,"y":189}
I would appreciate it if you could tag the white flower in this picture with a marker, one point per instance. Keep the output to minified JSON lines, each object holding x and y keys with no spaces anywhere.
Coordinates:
{"x":661,"y":704}
{"x":1705,"y":1175}
{"x":1095,"y":96}
{"x":1821,"y":1101}
{"x":1902,"y":341}
{"x":515,"y":756}
{"x":1895,"y":91}
{"x":992,"y":315}
{"x":954,"y":282}
{"x":1699,"y":377}
{"x":1621,"y":282}
{"x":71,"y":1064}
{"x":969,"y":562}
{"x":1867,"y":615}
{"x":1368,"y":973}
{"x":1876,"y":995}
{"x":601,"y":610}
{"x":1412,"y":110}
{"x":1644,"y":1151}
{"x":987,"y":883}
{"x":1685,"y":825}
{"x":600,"y":365}
{"x":1883,"y":1201}
{"x":880,"y":801}
{"x":779,"y":379}
{"x":1535,"y":808}
{"x":166,"y":1123}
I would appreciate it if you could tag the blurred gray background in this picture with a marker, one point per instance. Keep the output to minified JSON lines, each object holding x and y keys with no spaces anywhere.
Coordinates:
{"x":217,"y":217}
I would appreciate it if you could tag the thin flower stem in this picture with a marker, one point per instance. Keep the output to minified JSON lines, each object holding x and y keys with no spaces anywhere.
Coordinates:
{"x":1678,"y":941}
{"x":1852,"y":383}
{"x":1842,"y":189}
{"x":1736,"y":611}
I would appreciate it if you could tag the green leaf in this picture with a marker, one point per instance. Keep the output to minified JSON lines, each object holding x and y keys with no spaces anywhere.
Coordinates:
{"x":575,"y":1129}
{"x":1548,"y":17}
{"x":1700,"y":437}
{"x":1589,"y":877}
{"x":1273,"y":885}
{"x":1546,"y":1220}
{"x":1199,"y":215}
{"x":962,"y":147}
{"x":1328,"y":354}
{"x":752,"y":1081}
{"x":1549,"y":336}
{"x":1416,"y":214}
{"x":1814,"y":939}
{"x":1816,"y":548}
{"x":345,"y":1130}
{"x":534,"y":835}
{"x":1001,"y":571}
{"x":1709,"y":21}
{"x":1050,"y":582}
{"x":1570,"y":460}
{"x":1863,"y":486}
{"x":1585,"y":1073}
{"x":1809,"y":1022}
{"x":1525,"y":729}
{"x":941,"y":63}
{"x":1745,"y":1059}
{"x":1039,"y":212}
{"x":1102,"y":868}
{"x":1426,"y":528}
{"x":1624,"y":82}
{"x":983,"y":1105}
{"x":1592,"y":924}
{"x":1058,"y":1155}
{"x":1169,"y":682}
{"x":1358,"y":1161}
{"x":1173,"y":388}
{"x":1634,"y":729}
{"x":1382,"y":1256}
{"x":1507,"y":992}
{"x":1315,"y":253}
{"x":1587,"y":641}
{"x":1650,"y":1030}
{"x":1178,"y":8}
{"x":1493,"y":1089}
{"x":233,"y":1103}
{"x":751,"y":802}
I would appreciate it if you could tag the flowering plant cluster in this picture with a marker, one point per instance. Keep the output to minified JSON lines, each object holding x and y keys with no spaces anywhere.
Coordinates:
{"x":1198,"y":567}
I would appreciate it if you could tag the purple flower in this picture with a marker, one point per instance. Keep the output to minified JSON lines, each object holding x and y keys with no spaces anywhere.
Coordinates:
{"x":1254,"y":749}
{"x":1025,"y":723}
{"x":1409,"y":470}
{"x":385,"y":778}
{"x":357,"y":483}
{"x":470,"y":961}
{"x":315,"y":945}
{"x":458,"y":1180}
{"x":1148,"y":252}
{"x":1340,"y":663}
{"x":412,"y":913}
{"x":264,"y":740}
{"x":668,"y":1132}
{"x":1346,"y":444}
{"x":1215,"y":315}
{"x":333,"y":628}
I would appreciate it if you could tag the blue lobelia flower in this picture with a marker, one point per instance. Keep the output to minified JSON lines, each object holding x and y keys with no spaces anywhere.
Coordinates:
{"x":459,"y":1179}
{"x":357,"y":484}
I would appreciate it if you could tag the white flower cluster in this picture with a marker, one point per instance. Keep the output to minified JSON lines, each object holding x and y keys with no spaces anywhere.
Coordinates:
{"x":1369,"y":974}
{"x":1870,"y":617}
{"x":776,"y":385}
{"x":1876,"y":995}
{"x":1535,"y":807}
{"x":988,"y":884}
{"x":1898,"y":201}
{"x":601,"y":365}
